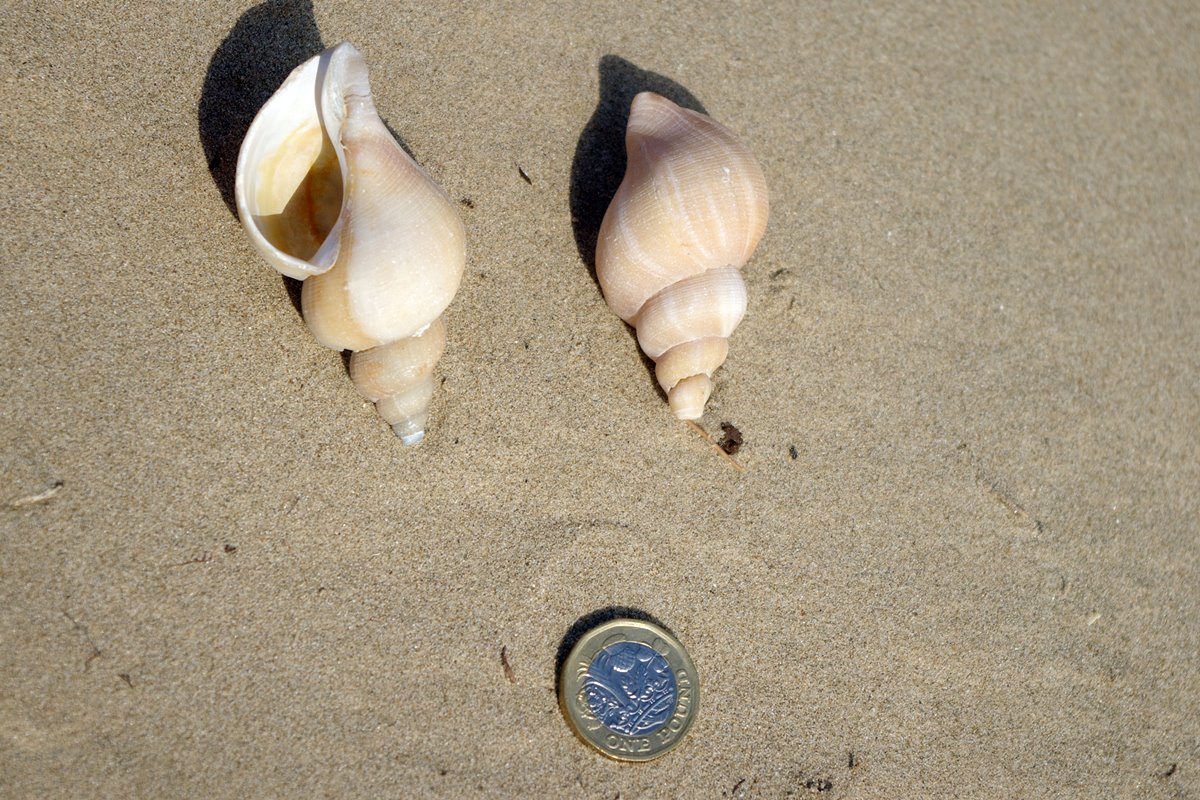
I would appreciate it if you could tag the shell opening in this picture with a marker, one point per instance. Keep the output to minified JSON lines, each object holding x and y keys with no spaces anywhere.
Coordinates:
{"x":291,"y":172}
{"x":299,"y":193}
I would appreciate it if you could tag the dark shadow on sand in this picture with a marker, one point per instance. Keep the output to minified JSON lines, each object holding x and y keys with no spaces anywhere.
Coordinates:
{"x":599,"y":162}
{"x":266,"y":44}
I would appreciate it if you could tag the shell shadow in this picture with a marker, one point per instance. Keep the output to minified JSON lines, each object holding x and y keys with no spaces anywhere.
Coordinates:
{"x":262,"y":49}
{"x":589,"y":621}
{"x":264,"y":46}
{"x":599,"y":163}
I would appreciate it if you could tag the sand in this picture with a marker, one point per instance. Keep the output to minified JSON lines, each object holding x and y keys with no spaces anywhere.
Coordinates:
{"x":961,"y":560}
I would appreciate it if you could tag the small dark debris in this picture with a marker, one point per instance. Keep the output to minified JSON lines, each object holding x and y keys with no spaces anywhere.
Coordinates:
{"x":850,"y":762}
{"x":524,"y":175}
{"x":818,"y":785}
{"x":466,"y":203}
{"x":443,"y":772}
{"x":231,"y":548}
{"x":125,"y":677}
{"x":779,"y":273}
{"x":731,"y":442}
{"x":203,"y":559}
{"x":793,"y":452}
{"x":737,"y":786}
{"x":1170,"y":771}
{"x":508,"y":670}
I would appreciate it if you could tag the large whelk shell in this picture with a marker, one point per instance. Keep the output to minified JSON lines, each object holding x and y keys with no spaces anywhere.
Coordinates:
{"x":330,"y":198}
{"x":685,"y":220}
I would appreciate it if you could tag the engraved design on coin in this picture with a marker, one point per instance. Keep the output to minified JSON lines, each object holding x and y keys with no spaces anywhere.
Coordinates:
{"x":630,"y":688}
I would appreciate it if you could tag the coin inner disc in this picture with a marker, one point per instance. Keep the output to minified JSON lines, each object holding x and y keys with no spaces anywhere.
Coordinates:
{"x":630,"y":688}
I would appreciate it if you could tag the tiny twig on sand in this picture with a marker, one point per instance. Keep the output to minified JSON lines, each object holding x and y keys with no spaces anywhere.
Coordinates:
{"x":204,"y":558}
{"x":40,"y":497}
{"x":508,"y":670}
{"x":79,"y":626}
{"x":716,"y":445}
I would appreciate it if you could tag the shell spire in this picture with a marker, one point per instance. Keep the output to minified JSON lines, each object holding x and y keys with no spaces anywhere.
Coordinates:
{"x":687,"y":217}
{"x":330,"y":198}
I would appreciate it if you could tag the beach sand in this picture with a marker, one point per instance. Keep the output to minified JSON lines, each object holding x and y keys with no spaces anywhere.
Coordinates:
{"x":962,"y":557}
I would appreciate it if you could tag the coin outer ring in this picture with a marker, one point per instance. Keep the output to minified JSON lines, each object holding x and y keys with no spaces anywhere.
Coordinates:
{"x":591,"y":730}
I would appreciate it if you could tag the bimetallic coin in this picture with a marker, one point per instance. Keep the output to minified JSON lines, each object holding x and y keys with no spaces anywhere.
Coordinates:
{"x":629,"y":689}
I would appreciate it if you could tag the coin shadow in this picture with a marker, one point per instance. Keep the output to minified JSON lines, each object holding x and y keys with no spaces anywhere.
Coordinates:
{"x":599,"y":162}
{"x":591,"y":620}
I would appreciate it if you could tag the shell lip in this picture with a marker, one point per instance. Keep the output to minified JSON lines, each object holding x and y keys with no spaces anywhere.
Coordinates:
{"x":315,"y":91}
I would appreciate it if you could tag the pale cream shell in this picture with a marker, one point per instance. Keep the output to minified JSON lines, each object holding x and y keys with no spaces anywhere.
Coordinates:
{"x":329,"y":197}
{"x":687,"y":216}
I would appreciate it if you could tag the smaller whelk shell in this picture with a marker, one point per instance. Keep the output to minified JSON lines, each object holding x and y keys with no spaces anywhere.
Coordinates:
{"x":685,"y":220}
{"x":330,"y":198}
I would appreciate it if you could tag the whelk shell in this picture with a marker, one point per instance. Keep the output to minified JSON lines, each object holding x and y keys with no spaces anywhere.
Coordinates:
{"x":687,"y":216}
{"x":330,"y":198}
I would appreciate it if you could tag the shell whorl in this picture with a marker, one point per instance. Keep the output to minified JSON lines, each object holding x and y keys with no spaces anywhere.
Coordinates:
{"x":398,"y":378}
{"x":329,"y":197}
{"x":687,"y":216}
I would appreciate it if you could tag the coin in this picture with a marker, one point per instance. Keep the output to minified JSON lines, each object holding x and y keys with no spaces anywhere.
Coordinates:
{"x":630,"y":690}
